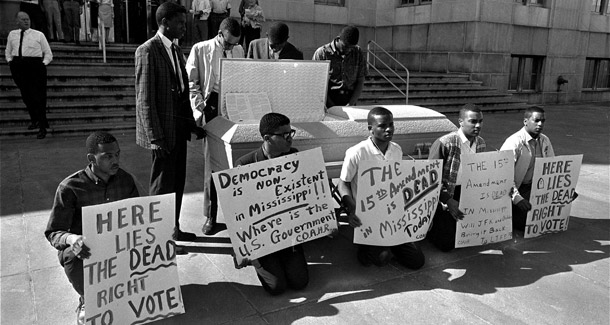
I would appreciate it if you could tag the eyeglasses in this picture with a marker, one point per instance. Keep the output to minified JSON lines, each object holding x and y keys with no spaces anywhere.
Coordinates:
{"x":286,"y":135}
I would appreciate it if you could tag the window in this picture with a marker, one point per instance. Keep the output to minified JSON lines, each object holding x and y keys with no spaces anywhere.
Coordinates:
{"x":597,"y":74}
{"x":414,"y":2}
{"x":531,"y":2}
{"x":525,"y":73}
{"x":600,"y":6}
{"x":339,"y":3}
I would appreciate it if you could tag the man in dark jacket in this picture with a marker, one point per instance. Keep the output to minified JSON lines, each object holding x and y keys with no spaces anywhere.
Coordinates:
{"x":275,"y":46}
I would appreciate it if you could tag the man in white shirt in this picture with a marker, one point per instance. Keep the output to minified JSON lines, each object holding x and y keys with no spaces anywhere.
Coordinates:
{"x":378,"y":146}
{"x":527,"y":144}
{"x":28,"y":54}
{"x":203,"y":69}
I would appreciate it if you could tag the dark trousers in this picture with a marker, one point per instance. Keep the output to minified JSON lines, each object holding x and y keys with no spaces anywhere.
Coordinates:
{"x":73,"y":266}
{"x":520,"y":217}
{"x":283,"y":269}
{"x":338,"y":97}
{"x":168,"y":175}
{"x":30,"y":75}
{"x":408,"y":254}
{"x":214,"y":23}
{"x":210,"y":110}
{"x":444,"y":226}
{"x":200,"y":30}
{"x":248,"y":34}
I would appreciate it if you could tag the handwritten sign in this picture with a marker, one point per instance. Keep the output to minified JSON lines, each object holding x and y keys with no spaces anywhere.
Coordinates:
{"x":553,"y":186}
{"x":486,"y":182}
{"x":396,"y":200}
{"x":275,"y":204}
{"x":131,"y":276}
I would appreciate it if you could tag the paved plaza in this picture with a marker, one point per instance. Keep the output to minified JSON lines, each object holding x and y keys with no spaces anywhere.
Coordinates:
{"x":555,"y":279}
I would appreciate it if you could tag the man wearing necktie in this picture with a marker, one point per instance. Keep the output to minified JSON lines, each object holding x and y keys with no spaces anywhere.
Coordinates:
{"x":203,"y":68}
{"x":164,"y":121}
{"x":28,"y":53}
{"x":527,"y":144}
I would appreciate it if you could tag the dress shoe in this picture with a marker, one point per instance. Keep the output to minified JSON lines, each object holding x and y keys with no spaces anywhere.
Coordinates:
{"x":208,"y":226}
{"x":80,"y":311}
{"x":33,"y":126}
{"x":183,"y":236}
{"x":42,"y":133}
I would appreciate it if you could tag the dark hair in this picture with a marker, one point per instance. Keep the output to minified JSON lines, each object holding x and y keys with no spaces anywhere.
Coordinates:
{"x":350,"y":35}
{"x":278,"y":33}
{"x":231,"y":25}
{"x":531,"y":110}
{"x":470,"y":107}
{"x":97,"y":138}
{"x":18,"y":12}
{"x":168,"y":10}
{"x":377,"y":111}
{"x":271,"y":122}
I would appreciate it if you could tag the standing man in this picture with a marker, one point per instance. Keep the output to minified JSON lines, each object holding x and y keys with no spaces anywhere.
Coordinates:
{"x":201,"y":11}
{"x":203,"y":69}
{"x":28,"y":54}
{"x":347,"y":68}
{"x":275,"y":46}
{"x":449,"y":147}
{"x":221,"y":9}
{"x":102,"y":181}
{"x":163,"y":117}
{"x":527,"y":144}
{"x":73,"y":9}
{"x":378,"y":146}
{"x":51,"y":8}
{"x":286,"y":268}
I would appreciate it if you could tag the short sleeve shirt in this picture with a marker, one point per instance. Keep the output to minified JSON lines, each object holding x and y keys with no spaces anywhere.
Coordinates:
{"x":365,"y":150}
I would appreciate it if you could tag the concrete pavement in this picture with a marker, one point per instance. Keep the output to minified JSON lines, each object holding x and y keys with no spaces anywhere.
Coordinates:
{"x":554,"y":279}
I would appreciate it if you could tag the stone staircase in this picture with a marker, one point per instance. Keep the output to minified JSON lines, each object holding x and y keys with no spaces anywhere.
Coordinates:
{"x":445,"y":93}
{"x":85,"y":94}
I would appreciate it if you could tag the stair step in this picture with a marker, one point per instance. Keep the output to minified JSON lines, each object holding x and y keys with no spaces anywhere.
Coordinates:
{"x":62,"y":118}
{"x":72,"y":107}
{"x":70,"y":130}
{"x":15,"y":96}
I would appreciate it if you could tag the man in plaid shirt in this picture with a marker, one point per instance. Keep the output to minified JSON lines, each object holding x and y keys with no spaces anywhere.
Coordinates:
{"x":100,"y":182}
{"x":449,"y":147}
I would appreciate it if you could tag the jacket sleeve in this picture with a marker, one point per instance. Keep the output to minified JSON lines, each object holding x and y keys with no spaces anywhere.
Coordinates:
{"x":513,"y":146}
{"x":437,"y":151}
{"x":195,"y":69}
{"x":145,"y":101}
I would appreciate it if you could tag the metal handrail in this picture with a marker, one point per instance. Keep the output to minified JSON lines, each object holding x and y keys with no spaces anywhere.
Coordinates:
{"x":370,"y":52}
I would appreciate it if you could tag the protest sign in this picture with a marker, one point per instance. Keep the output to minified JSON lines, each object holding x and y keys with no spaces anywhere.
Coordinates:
{"x":553,"y":187}
{"x":274,"y":204}
{"x":396,"y":200}
{"x":486,"y":180}
{"x":131,"y":276}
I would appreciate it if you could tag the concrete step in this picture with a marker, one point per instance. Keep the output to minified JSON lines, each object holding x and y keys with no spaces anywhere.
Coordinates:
{"x":431,"y":91}
{"x":80,"y":130}
{"x":64,"y":87}
{"x":71,"y":107}
{"x":437,"y":97}
{"x":13,"y":96}
{"x":416,"y":82}
{"x":57,"y":118}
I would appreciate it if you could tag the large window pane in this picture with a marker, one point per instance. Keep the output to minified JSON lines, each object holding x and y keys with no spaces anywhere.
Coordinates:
{"x":603,"y":74}
{"x":513,"y":81}
{"x":589,"y":76}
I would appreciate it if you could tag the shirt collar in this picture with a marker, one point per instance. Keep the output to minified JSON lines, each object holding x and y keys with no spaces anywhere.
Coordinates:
{"x":166,"y":41}
{"x":92,"y":176}
{"x":333,"y":47}
{"x":219,"y":44}
{"x":527,"y":136}
{"x":463,"y":137}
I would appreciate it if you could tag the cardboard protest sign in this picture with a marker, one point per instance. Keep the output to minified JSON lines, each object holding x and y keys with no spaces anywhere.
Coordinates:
{"x":396,"y":200}
{"x":131,"y":276}
{"x":553,"y":186}
{"x":486,"y":182}
{"x":274,"y":204}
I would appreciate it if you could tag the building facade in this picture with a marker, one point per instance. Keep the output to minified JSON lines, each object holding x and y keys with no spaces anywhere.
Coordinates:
{"x":542,"y":51}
